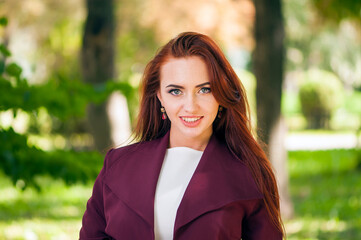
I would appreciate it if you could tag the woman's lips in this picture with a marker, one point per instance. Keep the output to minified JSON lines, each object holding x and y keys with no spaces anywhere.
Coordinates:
{"x":191,"y":121}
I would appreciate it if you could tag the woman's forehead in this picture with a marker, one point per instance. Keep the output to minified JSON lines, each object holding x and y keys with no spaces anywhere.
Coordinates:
{"x":186,"y":70}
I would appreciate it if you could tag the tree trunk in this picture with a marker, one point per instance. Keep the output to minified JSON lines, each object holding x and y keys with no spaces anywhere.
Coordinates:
{"x":97,"y":58}
{"x":268,"y":60}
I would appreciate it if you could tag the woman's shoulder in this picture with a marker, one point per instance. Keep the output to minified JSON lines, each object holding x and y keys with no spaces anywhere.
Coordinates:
{"x":115,"y":155}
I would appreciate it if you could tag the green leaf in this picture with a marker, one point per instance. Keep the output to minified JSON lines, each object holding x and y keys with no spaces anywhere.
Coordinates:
{"x":14,"y":70}
{"x":2,"y":67}
{"x":4,"y":50}
{"x":3,"y":21}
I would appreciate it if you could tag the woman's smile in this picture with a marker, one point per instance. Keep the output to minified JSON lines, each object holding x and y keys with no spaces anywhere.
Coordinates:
{"x":191,"y":121}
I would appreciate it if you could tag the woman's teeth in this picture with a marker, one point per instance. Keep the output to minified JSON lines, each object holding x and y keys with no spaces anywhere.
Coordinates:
{"x":191,"y":119}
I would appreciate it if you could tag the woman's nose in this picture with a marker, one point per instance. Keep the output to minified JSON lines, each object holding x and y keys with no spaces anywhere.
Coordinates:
{"x":190,"y":104}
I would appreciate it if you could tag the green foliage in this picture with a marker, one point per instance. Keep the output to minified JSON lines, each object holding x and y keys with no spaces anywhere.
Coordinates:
{"x":13,"y":70}
{"x":3,"y":21}
{"x":314,"y":41}
{"x":290,"y":103}
{"x":346,"y":117}
{"x":337,"y":10}
{"x":320,"y":93}
{"x":352,"y":103}
{"x":4,"y":51}
{"x":23,"y":163}
{"x":63,"y":99}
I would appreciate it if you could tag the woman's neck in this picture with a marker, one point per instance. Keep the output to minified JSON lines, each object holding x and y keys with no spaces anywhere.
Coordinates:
{"x":196,"y":143}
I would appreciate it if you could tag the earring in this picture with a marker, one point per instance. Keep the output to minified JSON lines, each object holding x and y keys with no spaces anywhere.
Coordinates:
{"x":220,"y":111}
{"x":164,"y":116}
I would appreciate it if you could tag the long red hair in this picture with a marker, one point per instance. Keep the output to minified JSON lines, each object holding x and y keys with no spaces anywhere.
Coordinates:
{"x":234,"y":126}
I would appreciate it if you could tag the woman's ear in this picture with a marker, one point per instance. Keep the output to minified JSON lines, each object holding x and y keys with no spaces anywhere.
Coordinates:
{"x":159,"y":96}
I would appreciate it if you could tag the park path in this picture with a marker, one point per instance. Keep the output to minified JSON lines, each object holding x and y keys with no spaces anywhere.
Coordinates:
{"x":308,"y":141}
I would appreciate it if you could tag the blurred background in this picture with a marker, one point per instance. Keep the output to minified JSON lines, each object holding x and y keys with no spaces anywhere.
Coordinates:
{"x":69,"y":77}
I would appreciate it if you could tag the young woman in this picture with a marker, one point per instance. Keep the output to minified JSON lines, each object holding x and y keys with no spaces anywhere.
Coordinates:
{"x":196,"y":172}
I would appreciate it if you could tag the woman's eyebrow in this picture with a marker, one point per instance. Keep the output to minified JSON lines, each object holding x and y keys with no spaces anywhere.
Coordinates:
{"x":178,"y":86}
{"x":203,"y":84}
{"x":174,"y":86}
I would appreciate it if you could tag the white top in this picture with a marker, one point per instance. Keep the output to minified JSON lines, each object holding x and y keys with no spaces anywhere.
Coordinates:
{"x":177,"y":169}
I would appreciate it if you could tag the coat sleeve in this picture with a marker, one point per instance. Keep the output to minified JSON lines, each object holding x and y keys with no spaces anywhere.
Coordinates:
{"x":94,"y":222}
{"x":258,"y":225}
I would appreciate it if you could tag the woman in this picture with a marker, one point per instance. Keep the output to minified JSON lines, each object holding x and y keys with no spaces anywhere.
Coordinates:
{"x":196,"y":172}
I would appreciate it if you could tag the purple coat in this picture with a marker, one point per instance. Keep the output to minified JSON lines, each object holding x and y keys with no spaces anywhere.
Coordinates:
{"x":221,"y":201}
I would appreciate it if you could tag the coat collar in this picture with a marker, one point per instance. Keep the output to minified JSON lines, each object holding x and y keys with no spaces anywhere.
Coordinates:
{"x":219,"y":179}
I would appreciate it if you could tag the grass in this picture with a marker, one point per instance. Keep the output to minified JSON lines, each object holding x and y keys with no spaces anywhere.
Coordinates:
{"x":325,"y":188}
{"x":55,"y":213}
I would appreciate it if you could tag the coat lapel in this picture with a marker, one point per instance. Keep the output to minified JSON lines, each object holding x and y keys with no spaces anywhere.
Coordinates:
{"x":219,"y":179}
{"x":134,"y":177}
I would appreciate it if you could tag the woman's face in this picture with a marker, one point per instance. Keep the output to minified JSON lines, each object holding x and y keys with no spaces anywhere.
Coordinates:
{"x":188,"y":101}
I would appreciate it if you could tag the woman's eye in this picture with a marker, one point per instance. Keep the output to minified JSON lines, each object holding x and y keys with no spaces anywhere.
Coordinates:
{"x":175,"y":92}
{"x":205,"y":90}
